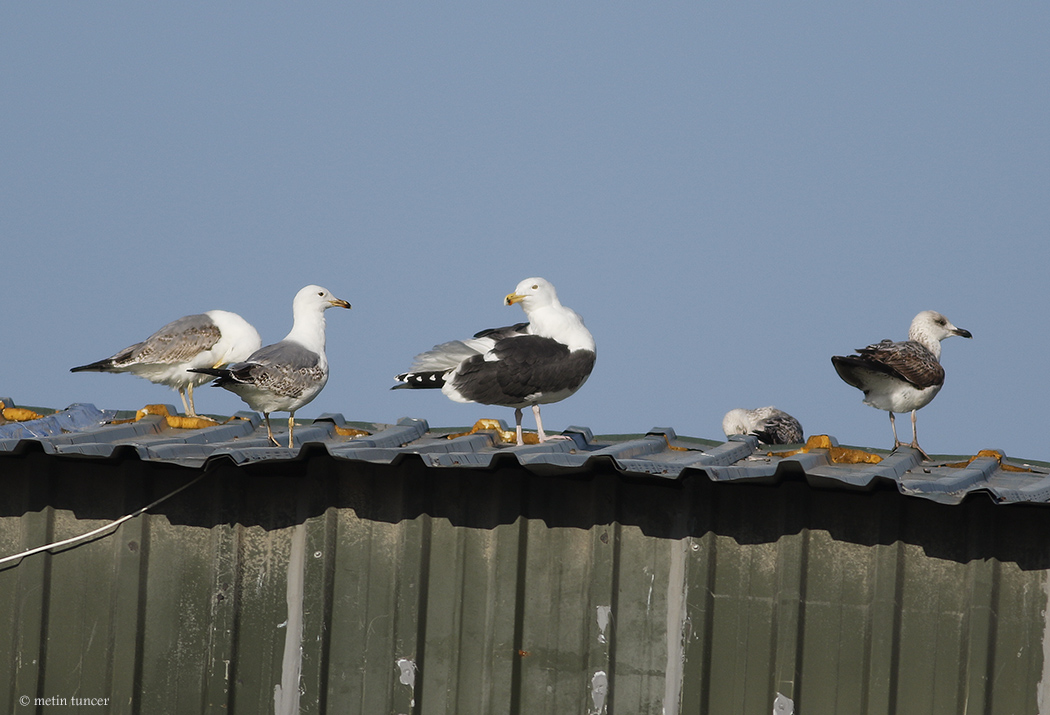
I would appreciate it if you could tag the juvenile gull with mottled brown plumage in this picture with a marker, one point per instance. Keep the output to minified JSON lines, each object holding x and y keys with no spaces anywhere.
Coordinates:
{"x":770,"y":425}
{"x":901,"y":376}
{"x":525,"y":365}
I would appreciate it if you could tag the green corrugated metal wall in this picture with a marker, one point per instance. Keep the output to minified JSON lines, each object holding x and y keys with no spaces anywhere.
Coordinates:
{"x":326,"y":586}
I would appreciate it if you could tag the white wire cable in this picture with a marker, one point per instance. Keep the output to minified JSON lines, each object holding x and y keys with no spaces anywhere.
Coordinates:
{"x":8,"y":561}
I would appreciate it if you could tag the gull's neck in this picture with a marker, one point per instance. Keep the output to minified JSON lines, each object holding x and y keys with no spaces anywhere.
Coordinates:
{"x":919,"y":334}
{"x":308,"y":329}
{"x":561,"y":323}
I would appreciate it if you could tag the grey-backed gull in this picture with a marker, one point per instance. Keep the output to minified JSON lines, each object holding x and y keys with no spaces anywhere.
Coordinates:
{"x":524,"y":365}
{"x":195,"y":341}
{"x":903,"y":376}
{"x":287,"y":375}
{"x":770,"y":425}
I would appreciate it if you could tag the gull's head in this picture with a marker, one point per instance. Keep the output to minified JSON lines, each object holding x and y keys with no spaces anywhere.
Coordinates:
{"x":532,"y":293}
{"x":736,"y":421}
{"x":239,"y":337}
{"x":933,"y":325}
{"x":316,"y":298}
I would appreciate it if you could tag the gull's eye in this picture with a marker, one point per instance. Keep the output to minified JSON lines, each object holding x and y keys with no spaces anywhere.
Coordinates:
{"x":535,"y":287}
{"x":321,"y":294}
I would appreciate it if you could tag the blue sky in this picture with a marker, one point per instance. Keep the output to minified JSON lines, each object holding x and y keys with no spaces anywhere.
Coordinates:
{"x":729,"y":193}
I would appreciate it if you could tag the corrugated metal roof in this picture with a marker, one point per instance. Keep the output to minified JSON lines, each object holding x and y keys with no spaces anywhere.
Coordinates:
{"x":398,"y":573}
{"x":84,"y":430}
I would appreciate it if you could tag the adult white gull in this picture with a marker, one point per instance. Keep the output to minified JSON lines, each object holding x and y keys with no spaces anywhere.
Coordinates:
{"x":287,"y":375}
{"x":902,"y":376}
{"x":770,"y":425}
{"x":525,"y":365}
{"x":195,"y":341}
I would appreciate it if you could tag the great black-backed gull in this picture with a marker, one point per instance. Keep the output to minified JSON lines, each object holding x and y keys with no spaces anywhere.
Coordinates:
{"x":287,"y":375}
{"x":903,"y":376}
{"x":770,"y":425}
{"x":195,"y":341}
{"x":524,"y":365}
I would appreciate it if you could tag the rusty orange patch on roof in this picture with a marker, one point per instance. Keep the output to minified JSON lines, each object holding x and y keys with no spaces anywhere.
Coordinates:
{"x":174,"y":421}
{"x":505,"y":435}
{"x":838,"y":455}
{"x":350,"y":432}
{"x":994,"y":454}
{"x":18,"y":414}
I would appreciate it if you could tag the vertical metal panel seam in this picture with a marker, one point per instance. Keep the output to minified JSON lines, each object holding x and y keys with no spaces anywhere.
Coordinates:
{"x":328,"y":588}
{"x":1043,"y":687}
{"x":219,"y":646}
{"x":140,"y":614}
{"x":519,"y":614}
{"x":708,"y":624}
{"x":137,"y":489}
{"x":898,"y":620}
{"x":237,"y":593}
{"x":882,"y":657}
{"x":789,"y":607}
{"x":457,"y":661}
{"x":45,"y":603}
{"x":614,"y":605}
{"x":677,"y":623}
{"x":800,"y":625}
{"x":31,"y":578}
{"x":514,"y":706}
{"x":286,"y":693}
{"x":677,"y":617}
{"x":978,"y":636}
{"x":993,"y":631}
{"x":141,"y":523}
{"x":774,"y":684}
{"x":426,"y":534}
{"x":708,"y":596}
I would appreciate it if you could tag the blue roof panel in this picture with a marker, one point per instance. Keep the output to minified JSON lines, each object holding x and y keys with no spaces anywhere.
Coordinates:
{"x":83,"y":430}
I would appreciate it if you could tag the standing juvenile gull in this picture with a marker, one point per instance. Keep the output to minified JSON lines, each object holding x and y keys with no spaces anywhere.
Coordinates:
{"x":206,"y":340}
{"x":770,"y":425}
{"x":287,"y":375}
{"x":904,"y":376}
{"x":524,"y":365}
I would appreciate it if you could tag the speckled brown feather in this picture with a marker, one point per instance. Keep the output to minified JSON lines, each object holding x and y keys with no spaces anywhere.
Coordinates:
{"x":907,"y":360}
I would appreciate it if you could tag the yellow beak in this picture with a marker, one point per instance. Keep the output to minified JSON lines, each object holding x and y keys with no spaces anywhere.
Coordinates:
{"x":339,"y":303}
{"x":513,"y":298}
